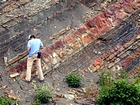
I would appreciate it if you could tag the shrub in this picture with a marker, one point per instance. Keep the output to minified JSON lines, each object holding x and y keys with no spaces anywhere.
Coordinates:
{"x":43,"y":94}
{"x":121,"y":93}
{"x":137,"y":82}
{"x":37,"y":102}
{"x":73,"y":79}
{"x":123,"y":74}
{"x":105,"y":79}
{"x":6,"y":100}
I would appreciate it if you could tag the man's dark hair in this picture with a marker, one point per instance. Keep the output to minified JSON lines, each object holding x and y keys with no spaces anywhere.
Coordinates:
{"x":32,"y":36}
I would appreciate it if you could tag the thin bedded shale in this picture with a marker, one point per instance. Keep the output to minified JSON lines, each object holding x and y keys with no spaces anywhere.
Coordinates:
{"x":57,"y":19}
{"x":133,"y":64}
{"x":115,"y":43}
{"x":77,"y":51}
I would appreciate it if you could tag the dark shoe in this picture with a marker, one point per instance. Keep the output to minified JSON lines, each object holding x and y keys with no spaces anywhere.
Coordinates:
{"x":26,"y":81}
{"x":41,"y":80}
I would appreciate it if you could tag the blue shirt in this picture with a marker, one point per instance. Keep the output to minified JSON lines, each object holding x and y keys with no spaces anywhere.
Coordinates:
{"x":34,"y":45}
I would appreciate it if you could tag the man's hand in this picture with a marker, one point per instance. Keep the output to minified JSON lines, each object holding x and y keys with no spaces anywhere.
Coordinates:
{"x":41,"y":47}
{"x":28,"y":49}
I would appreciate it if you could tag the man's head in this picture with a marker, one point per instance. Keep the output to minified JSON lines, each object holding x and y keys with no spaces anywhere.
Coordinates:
{"x":31,"y":36}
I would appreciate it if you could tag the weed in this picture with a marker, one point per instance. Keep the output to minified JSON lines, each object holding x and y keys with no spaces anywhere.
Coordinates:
{"x":43,"y":95}
{"x":6,"y":100}
{"x":105,"y":78}
{"x":73,"y":79}
{"x":117,"y":91}
{"x":122,"y":93}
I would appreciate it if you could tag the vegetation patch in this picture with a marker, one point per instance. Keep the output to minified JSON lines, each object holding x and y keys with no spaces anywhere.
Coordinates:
{"x":118,"y":90}
{"x":42,"y":95}
{"x":74,"y":80}
{"x":4,"y":100}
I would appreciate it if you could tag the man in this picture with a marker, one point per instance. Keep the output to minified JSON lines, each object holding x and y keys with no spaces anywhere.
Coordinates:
{"x":33,"y":47}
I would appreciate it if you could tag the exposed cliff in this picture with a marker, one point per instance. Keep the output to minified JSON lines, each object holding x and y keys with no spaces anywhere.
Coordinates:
{"x":81,"y":35}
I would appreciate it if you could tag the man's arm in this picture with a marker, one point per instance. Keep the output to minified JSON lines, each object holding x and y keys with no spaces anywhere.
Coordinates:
{"x":41,"y":47}
{"x":28,"y":49}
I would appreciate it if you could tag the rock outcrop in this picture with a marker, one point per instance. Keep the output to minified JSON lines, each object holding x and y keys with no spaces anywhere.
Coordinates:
{"x":79,"y":35}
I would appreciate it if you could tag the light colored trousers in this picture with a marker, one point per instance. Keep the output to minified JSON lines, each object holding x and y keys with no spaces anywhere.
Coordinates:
{"x":30,"y":62}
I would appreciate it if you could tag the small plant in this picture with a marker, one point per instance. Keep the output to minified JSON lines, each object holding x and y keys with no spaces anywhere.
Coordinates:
{"x":121,"y":93}
{"x":73,"y":79}
{"x":123,"y":74}
{"x":137,"y":82}
{"x":43,"y":95}
{"x":6,"y":100}
{"x":105,"y":78}
{"x":37,"y":102}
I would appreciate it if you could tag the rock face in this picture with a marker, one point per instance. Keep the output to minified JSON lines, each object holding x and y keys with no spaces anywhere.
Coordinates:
{"x":80,"y":35}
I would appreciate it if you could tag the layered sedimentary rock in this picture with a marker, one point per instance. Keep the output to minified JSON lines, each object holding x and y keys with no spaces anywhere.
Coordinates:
{"x":82,"y":35}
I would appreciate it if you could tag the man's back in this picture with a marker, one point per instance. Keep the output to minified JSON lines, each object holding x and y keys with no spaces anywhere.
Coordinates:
{"x":34,"y":45}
